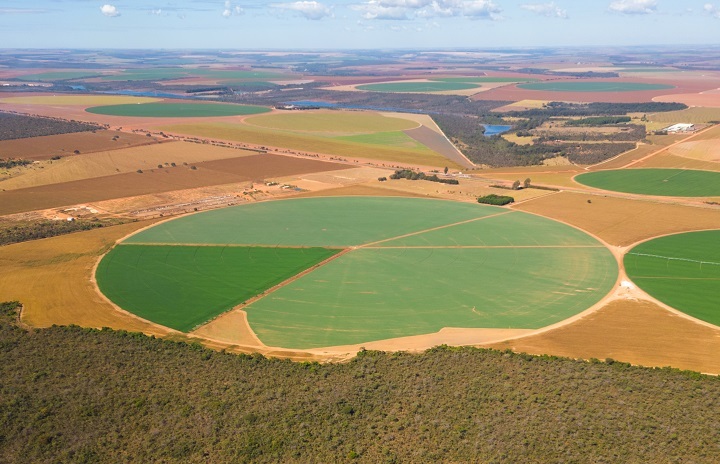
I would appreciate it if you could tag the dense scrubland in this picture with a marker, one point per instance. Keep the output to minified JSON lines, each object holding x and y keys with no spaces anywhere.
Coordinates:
{"x":23,"y":231}
{"x":69,"y":394}
{"x":17,"y":126}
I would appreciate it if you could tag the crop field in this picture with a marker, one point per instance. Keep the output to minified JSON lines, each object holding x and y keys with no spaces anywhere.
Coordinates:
{"x":411,"y":267}
{"x":682,"y":271}
{"x":340,"y":122}
{"x":44,"y":148}
{"x":695,"y":115}
{"x":180,"y":73}
{"x":57,"y":75}
{"x":663,"y":182}
{"x":177,"y":110}
{"x":125,"y":160}
{"x":77,"y":100}
{"x":575,"y":86}
{"x":484,"y":79}
{"x":309,"y":143}
{"x":206,"y":280}
{"x":417,"y":87}
{"x":217,"y":172}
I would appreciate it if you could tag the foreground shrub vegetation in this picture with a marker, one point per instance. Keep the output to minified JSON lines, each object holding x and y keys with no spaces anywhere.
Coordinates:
{"x":18,"y":126}
{"x":23,"y":231}
{"x":69,"y":394}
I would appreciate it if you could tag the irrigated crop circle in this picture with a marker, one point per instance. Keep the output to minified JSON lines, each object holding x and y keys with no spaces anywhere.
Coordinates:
{"x":379,"y":268}
{"x":661,"y":182}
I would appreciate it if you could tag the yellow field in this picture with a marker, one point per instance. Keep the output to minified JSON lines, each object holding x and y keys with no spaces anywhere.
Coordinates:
{"x":309,"y":143}
{"x":620,"y":221}
{"x":77,"y":100}
{"x":518,"y":140}
{"x":522,"y":105}
{"x":337,"y":122}
{"x":117,"y":161}
{"x":695,"y":115}
{"x":51,"y":277}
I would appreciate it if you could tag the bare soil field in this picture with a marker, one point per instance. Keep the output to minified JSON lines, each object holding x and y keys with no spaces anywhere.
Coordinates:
{"x":234,"y":170}
{"x":696,"y":115}
{"x":44,"y":148}
{"x":358,"y":190}
{"x":75,"y":100}
{"x":703,"y":150}
{"x":704,"y":99}
{"x":634,"y":331}
{"x":440,"y":144}
{"x":52,"y":277}
{"x":118,"y":161}
{"x":620,"y":221}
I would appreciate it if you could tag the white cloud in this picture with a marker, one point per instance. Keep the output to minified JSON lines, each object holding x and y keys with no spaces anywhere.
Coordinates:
{"x":410,"y":9}
{"x":158,"y":12}
{"x":109,"y":11}
{"x":712,"y":10}
{"x":634,"y":6}
{"x":546,"y":9}
{"x":309,"y":9}
{"x":232,"y":11}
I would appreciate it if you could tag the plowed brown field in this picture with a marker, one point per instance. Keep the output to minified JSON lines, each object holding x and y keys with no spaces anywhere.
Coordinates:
{"x":244,"y":169}
{"x":43,"y":148}
{"x":620,"y":221}
{"x":638,"y":332}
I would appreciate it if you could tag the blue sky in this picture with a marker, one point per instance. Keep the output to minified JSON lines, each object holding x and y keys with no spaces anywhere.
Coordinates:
{"x":235,"y":24}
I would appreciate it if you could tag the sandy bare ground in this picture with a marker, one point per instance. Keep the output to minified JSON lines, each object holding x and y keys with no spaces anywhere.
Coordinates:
{"x":705,"y":99}
{"x":634,"y":331}
{"x":622,"y":221}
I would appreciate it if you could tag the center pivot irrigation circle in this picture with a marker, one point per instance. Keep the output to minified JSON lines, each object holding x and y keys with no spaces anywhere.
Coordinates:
{"x":321,"y":272}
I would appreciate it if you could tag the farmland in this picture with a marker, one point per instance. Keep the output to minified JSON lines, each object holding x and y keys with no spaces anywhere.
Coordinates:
{"x":334,"y":122}
{"x":589,"y":86}
{"x":417,"y":87}
{"x":664,"y":182}
{"x":177,"y":110}
{"x":375,"y":291}
{"x":682,"y":271}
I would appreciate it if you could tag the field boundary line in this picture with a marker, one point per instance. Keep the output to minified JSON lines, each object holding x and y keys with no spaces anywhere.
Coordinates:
{"x":471,"y":247}
{"x":675,"y":259}
{"x":433,"y":229}
{"x":231,"y":245}
{"x":644,"y":158}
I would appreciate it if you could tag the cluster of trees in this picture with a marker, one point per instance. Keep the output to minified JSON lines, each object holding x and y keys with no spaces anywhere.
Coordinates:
{"x":413,"y":175}
{"x":629,"y":133}
{"x":70,"y":394}
{"x":23,"y":231}
{"x":557,"y":109}
{"x":497,"y":200}
{"x":18,"y":126}
{"x":598,"y":121}
{"x":8,"y":163}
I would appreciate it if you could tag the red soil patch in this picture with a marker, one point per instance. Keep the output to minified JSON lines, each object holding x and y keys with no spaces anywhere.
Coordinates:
{"x":710,"y":99}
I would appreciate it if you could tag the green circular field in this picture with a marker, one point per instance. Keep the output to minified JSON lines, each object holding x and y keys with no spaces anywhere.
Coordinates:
{"x":416,"y":87}
{"x":593,"y":86}
{"x":177,"y":110}
{"x":661,"y":182}
{"x":682,"y":271}
{"x":345,"y":122}
{"x":389,"y":267}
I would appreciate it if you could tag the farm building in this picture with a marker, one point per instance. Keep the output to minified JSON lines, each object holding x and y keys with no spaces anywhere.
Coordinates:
{"x":680,"y":128}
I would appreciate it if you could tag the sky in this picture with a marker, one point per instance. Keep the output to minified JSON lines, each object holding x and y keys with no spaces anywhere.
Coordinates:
{"x":355,"y":24}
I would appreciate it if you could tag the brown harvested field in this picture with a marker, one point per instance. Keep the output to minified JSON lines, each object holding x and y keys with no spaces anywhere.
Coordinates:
{"x":513,"y":93}
{"x":695,"y":115}
{"x":703,"y":150}
{"x":522,"y":105}
{"x":52,"y":279}
{"x":44,"y":148}
{"x":358,"y":190}
{"x":541,"y":175}
{"x":118,"y":161}
{"x":638,"y":332}
{"x":620,"y":221}
{"x":228,"y":171}
{"x":667,"y":160}
{"x":705,"y":99}
{"x":659,"y":142}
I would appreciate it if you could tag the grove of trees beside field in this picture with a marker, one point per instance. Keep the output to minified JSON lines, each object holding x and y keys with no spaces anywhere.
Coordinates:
{"x":18,"y":126}
{"x":69,"y":394}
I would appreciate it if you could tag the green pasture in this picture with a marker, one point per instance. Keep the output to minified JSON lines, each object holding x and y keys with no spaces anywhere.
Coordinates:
{"x":177,"y":110}
{"x":58,"y":75}
{"x":386,"y":139}
{"x":484,"y":79}
{"x":682,"y":271}
{"x":662,"y":182}
{"x":184,"y":286}
{"x":344,"y":122}
{"x":347,"y":221}
{"x":593,"y":86}
{"x":154,"y":74}
{"x":416,"y":87}
{"x":505,"y":229}
{"x":313,"y":143}
{"x":375,"y":294}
